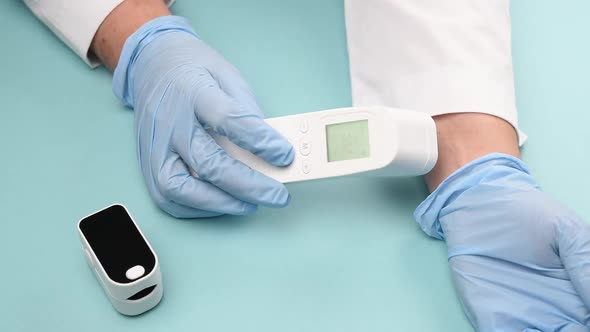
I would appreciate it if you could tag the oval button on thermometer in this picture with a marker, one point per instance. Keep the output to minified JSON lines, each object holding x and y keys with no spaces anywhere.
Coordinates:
{"x":380,"y":140}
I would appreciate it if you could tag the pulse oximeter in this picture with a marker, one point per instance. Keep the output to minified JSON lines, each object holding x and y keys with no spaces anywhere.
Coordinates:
{"x":123,"y":261}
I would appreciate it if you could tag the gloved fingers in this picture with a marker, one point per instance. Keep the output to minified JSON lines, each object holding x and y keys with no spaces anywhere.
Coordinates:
{"x":177,"y":185}
{"x":233,"y":84}
{"x":242,"y":123}
{"x":173,"y":208}
{"x":499,"y":295}
{"x":573,"y":241}
{"x":568,"y":327}
{"x":165,"y":203}
{"x":573,"y":327}
{"x":212,"y":164}
{"x":184,"y":212}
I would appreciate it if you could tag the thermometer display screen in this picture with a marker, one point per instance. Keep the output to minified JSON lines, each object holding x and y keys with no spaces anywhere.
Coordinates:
{"x":348,"y":140}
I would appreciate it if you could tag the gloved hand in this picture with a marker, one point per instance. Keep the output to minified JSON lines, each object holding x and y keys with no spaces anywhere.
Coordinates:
{"x":520,"y":261}
{"x":180,"y":89}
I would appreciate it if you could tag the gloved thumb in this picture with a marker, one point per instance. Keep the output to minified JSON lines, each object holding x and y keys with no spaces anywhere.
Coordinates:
{"x":573,"y":245}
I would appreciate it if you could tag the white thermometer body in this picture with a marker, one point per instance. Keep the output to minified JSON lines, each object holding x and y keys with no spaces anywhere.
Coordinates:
{"x":381,"y":140}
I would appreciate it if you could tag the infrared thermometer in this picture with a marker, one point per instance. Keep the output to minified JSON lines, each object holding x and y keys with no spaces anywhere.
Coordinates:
{"x":377,"y":140}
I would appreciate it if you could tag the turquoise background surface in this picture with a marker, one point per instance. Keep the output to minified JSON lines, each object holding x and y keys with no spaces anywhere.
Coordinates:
{"x":346,"y":255}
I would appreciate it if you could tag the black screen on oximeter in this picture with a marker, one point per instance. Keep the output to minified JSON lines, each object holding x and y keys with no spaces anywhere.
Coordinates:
{"x":117,"y":243}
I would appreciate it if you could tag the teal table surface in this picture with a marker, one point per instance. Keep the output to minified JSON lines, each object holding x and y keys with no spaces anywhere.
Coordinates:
{"x":346,"y":255}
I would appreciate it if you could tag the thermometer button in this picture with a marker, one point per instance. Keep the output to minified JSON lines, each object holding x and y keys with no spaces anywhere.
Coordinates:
{"x":306,"y":166}
{"x":303,"y":126}
{"x":304,"y":147}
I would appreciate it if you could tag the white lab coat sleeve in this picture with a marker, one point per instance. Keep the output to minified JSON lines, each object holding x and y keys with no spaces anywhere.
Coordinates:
{"x":432,"y":56}
{"x":75,"y":22}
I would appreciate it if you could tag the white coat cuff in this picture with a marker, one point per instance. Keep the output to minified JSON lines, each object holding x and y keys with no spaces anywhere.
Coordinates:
{"x":432,"y":56}
{"x":451,"y":89}
{"x":75,"y":22}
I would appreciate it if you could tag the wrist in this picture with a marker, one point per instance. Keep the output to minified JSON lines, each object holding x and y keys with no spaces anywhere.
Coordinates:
{"x":498,"y":170}
{"x":138,"y":62}
{"x":465,"y":137}
{"x":121,"y":23}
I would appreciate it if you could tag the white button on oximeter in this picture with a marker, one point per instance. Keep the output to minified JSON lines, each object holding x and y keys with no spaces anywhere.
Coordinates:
{"x":122,"y":260}
{"x":381,"y":140}
{"x":135,"y":272}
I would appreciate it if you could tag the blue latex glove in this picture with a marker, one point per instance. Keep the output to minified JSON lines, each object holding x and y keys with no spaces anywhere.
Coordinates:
{"x":520,"y":260}
{"x":181,"y":89}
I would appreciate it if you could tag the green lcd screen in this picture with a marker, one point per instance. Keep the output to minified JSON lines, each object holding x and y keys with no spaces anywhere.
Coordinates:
{"x":348,"y":140}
